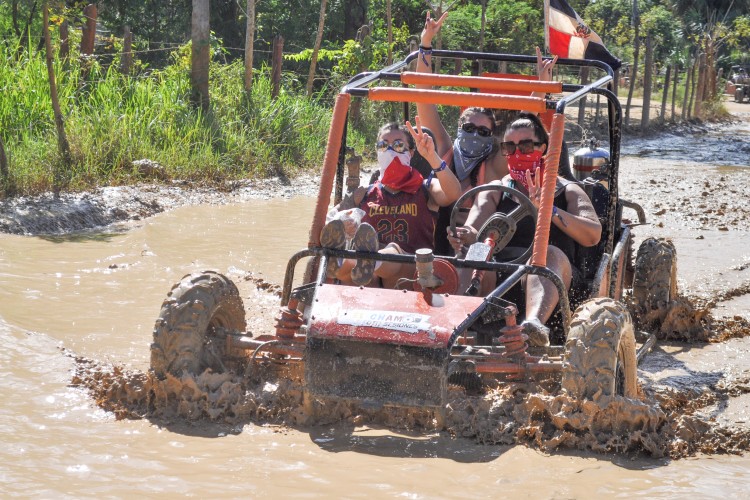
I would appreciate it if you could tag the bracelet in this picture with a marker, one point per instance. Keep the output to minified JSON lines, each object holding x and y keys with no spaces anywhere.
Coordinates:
{"x":424,"y":52}
{"x":442,"y":167}
{"x":556,"y":214}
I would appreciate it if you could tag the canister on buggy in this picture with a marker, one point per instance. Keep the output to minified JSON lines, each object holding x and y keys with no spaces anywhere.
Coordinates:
{"x":591,"y":162}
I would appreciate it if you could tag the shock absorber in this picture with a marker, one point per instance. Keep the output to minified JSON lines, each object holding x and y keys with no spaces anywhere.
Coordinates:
{"x":513,"y":339}
{"x":289,"y":320}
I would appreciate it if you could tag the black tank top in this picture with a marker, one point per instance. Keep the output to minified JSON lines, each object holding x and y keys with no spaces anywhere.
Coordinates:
{"x":525,"y":230}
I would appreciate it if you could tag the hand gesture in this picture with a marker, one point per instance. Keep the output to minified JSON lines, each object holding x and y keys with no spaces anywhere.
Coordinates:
{"x":544,"y":66}
{"x":423,"y":142}
{"x":431,"y":28}
{"x":535,"y":186}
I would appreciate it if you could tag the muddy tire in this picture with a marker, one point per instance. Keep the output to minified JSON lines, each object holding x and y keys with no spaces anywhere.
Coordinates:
{"x":185,"y":334}
{"x":654,"y":282}
{"x":600,"y":352}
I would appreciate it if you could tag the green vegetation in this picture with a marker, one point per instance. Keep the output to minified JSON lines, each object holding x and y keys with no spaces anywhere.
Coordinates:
{"x":111,"y":119}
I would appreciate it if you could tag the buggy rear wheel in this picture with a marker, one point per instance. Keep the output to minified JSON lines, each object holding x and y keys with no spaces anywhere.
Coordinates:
{"x":600,"y":352}
{"x":186,"y":334}
{"x":739,"y":93}
{"x":654,"y":281}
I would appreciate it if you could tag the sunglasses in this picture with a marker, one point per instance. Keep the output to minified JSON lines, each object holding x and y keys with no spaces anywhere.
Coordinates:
{"x":470,"y":128}
{"x":525,"y":146}
{"x":397,"y":146}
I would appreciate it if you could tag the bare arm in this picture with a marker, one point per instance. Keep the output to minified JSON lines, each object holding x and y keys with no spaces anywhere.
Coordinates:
{"x":353,"y":200}
{"x":445,"y":188}
{"x":579,"y":221}
{"x":543,"y":70}
{"x":429,"y":112}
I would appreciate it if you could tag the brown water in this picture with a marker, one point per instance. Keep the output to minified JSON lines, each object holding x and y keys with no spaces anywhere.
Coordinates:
{"x":98,"y":296}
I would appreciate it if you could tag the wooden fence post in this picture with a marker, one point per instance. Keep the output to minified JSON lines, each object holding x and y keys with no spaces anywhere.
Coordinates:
{"x":88,"y":35}
{"x":126,"y":61}
{"x":201,"y":54}
{"x":276,"y":60}
{"x":64,"y":41}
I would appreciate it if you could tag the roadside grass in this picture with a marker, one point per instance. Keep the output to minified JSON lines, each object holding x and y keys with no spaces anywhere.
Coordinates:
{"x":112,"y":120}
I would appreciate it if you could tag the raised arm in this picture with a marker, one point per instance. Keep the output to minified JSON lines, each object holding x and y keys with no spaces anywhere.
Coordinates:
{"x":429,"y":112}
{"x":544,"y":69}
{"x":445,"y":187}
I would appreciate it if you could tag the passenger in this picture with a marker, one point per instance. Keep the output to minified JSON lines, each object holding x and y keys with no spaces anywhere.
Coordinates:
{"x":473,"y":155}
{"x":400,"y":208}
{"x":574,"y":220}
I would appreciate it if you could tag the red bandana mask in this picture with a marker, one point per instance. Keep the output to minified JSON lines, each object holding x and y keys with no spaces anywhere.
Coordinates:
{"x":519,"y":164}
{"x":401,"y":177}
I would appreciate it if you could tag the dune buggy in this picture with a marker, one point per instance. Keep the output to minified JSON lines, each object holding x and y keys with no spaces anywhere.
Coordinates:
{"x":403,"y":347}
{"x":741,"y":83}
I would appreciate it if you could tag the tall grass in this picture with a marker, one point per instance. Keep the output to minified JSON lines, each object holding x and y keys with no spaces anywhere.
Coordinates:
{"x":112,"y":120}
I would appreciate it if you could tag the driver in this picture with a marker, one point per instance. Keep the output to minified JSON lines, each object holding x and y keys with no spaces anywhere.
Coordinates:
{"x":574,"y":220}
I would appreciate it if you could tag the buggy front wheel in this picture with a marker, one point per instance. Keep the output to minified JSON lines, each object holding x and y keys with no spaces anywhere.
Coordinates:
{"x":188,"y":335}
{"x":600,"y":352}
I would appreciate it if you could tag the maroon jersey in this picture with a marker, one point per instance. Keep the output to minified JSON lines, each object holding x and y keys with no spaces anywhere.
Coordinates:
{"x":401,"y":218}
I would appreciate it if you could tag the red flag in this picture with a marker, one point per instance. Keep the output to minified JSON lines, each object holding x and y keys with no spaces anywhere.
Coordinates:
{"x":567,"y":36}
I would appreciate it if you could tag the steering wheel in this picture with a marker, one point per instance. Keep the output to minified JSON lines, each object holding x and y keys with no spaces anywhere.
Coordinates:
{"x":500,"y":226}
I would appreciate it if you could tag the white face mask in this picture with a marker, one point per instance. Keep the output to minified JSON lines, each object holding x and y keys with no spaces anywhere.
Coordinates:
{"x":386,"y":157}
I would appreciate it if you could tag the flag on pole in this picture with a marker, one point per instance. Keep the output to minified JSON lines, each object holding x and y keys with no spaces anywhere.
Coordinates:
{"x":567,"y":36}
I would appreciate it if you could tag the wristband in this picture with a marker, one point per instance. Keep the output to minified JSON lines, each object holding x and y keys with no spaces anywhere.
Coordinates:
{"x":442,"y":167}
{"x":556,"y":214}
{"x":423,"y":52}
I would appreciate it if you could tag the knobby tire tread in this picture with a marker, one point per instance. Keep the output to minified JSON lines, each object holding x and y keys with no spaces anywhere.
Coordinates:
{"x":182,"y":333}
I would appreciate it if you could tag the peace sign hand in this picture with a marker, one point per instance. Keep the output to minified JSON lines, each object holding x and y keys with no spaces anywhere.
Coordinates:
{"x":431,"y":28}
{"x":424,"y":143}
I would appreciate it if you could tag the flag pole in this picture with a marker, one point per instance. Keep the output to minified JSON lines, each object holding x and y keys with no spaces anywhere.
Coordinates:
{"x":546,"y":26}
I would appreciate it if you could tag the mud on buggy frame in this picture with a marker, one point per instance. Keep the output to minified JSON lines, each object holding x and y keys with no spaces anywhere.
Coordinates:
{"x":402,"y":347}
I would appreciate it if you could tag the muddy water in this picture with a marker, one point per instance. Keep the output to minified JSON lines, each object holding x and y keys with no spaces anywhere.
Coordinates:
{"x":97,"y":295}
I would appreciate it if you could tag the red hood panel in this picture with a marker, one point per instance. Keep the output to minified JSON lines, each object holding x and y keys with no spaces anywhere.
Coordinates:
{"x":387,"y":316}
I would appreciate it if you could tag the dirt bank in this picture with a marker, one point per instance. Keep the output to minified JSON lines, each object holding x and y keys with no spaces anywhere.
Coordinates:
{"x":108,"y":206}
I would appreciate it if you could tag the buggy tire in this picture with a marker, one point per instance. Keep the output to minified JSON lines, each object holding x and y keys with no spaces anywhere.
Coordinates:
{"x":185,"y":339}
{"x":654,"y":281}
{"x":600,"y":352}
{"x":739,"y":94}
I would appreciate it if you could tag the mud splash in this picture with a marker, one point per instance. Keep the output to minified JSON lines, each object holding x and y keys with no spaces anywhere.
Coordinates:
{"x":661,"y":422}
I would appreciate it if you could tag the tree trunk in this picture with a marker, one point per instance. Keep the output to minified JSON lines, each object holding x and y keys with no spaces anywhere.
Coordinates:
{"x":648,"y":68}
{"x":389,"y":24}
{"x":249,"y":45}
{"x":692,"y":87}
{"x":665,"y":94}
{"x":701,"y":87}
{"x":482,"y":30}
{"x":355,"y":15}
{"x":636,"y":51}
{"x":4,"y":174}
{"x":201,"y":55}
{"x":674,"y":86}
{"x":126,"y":61}
{"x":276,"y":60}
{"x":62,"y":139}
{"x":318,"y":41}
{"x":686,"y":96}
